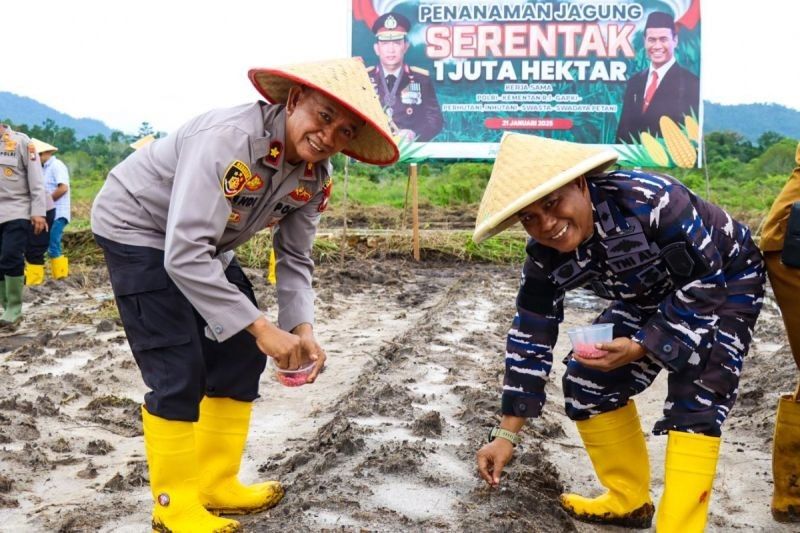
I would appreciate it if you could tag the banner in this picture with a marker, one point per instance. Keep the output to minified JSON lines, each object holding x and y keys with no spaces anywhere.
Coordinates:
{"x":454,"y":76}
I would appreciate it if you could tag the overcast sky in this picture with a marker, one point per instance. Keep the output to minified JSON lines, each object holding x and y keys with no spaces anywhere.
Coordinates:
{"x":164,"y":61}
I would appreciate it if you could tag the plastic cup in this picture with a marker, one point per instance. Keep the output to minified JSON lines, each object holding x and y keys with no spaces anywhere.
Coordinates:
{"x":584,"y":339}
{"x":290,"y":378}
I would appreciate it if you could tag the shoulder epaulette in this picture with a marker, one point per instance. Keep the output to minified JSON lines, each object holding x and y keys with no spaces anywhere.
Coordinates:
{"x":420,"y":71}
{"x":370,"y":69}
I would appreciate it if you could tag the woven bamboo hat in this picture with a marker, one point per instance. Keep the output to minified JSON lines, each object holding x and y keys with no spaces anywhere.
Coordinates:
{"x":142,"y":141}
{"x":528,"y":168}
{"x":346,"y":82}
{"x":42,"y":147}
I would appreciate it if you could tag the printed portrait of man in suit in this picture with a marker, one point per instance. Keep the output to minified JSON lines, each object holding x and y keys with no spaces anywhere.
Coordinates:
{"x":665,"y":88}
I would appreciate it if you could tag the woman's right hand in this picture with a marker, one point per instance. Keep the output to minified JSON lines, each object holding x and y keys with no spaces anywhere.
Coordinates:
{"x":492,"y":458}
{"x":283,"y":346}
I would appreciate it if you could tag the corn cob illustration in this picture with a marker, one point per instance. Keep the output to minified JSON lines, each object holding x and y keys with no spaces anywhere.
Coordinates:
{"x":654,"y":149}
{"x":692,"y":128}
{"x":678,"y":144}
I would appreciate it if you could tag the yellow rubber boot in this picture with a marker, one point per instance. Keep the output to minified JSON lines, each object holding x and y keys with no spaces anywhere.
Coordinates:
{"x":172,"y":459}
{"x":34,"y":274}
{"x":689,"y":470}
{"x":59,"y":267}
{"x":221,"y":434}
{"x":786,"y":461}
{"x":615,"y":444}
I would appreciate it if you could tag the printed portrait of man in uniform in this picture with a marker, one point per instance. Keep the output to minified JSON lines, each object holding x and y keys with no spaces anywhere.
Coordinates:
{"x":406,"y":93}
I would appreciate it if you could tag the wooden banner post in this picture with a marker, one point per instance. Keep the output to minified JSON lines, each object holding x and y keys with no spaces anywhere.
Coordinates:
{"x":414,"y":209}
{"x":343,"y":247}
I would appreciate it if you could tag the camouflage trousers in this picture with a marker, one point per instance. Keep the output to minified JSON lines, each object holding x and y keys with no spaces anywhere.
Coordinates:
{"x":699,"y":397}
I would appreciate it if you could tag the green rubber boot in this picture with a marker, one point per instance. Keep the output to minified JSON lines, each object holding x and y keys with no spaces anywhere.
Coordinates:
{"x":12,"y":314}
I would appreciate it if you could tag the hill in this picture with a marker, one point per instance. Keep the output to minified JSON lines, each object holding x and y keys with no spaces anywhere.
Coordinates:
{"x":751,"y":120}
{"x":24,"y":110}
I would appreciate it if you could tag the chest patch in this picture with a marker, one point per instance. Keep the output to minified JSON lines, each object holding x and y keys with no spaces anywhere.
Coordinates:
{"x":300,"y":194}
{"x":254,"y":183}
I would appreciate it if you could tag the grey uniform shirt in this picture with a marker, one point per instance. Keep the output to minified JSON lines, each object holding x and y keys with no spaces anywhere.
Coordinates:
{"x":209,"y":187}
{"x":21,"y":181}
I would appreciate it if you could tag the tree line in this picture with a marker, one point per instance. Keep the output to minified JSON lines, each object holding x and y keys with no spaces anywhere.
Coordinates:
{"x":739,"y":174}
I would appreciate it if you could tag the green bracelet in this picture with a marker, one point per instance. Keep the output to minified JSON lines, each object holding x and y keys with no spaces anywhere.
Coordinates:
{"x":510,"y":436}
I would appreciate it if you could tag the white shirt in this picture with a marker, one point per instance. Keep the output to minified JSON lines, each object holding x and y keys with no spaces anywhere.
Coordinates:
{"x":55,"y":173}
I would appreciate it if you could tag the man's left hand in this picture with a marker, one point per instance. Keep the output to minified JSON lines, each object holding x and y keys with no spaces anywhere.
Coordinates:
{"x":619,"y":352}
{"x":311,"y":350}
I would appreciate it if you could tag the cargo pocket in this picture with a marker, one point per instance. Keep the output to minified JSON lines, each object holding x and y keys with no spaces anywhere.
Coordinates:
{"x":724,"y":365}
{"x":154,"y":312}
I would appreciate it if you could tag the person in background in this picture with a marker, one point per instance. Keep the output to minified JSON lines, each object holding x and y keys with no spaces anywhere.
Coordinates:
{"x":168,"y":219}
{"x":664,"y":89}
{"x":38,"y":244}
{"x":22,"y":206}
{"x":781,"y":233}
{"x":406,"y":92}
{"x":685,"y":285}
{"x":56,"y":182}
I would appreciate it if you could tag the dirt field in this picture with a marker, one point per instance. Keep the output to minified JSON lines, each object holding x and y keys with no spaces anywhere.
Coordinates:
{"x":385,"y":440}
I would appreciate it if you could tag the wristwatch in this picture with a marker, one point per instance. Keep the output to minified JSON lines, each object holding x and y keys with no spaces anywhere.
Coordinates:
{"x":510,"y":436}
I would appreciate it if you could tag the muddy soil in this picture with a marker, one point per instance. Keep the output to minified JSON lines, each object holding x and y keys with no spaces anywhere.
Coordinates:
{"x":384,"y":441}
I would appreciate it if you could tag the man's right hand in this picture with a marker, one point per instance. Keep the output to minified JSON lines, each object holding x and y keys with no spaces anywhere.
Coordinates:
{"x":39,"y":224}
{"x":492,"y":458}
{"x":282,"y":346}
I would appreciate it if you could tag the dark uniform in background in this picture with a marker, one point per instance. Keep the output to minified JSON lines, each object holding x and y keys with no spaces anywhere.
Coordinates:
{"x":406,"y":92}
{"x":22,"y":203}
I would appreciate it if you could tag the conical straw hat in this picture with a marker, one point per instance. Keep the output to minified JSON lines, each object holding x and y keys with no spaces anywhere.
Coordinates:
{"x":347,"y":82}
{"x":143,"y":141}
{"x":527,"y":168}
{"x":42,"y":146}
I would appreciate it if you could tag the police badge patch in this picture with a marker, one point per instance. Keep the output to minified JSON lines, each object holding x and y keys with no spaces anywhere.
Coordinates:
{"x":254,"y":183}
{"x":235,"y":178}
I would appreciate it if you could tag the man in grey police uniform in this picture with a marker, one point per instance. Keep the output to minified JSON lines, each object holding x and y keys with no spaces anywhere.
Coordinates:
{"x":22,"y":204}
{"x":406,"y":92}
{"x":168,"y":218}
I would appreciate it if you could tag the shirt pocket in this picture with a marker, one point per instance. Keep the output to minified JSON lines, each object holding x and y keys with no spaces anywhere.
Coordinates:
{"x":9,"y":167}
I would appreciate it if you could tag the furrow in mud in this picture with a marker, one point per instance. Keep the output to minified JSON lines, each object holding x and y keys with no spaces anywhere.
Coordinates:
{"x":398,"y":452}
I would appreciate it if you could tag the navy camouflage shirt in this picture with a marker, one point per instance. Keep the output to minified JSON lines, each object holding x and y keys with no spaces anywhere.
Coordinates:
{"x":672,"y":258}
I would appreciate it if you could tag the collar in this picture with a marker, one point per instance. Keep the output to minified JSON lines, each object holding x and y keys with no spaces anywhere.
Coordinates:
{"x":608,"y":219}
{"x":396,"y":71}
{"x":662,"y":70}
